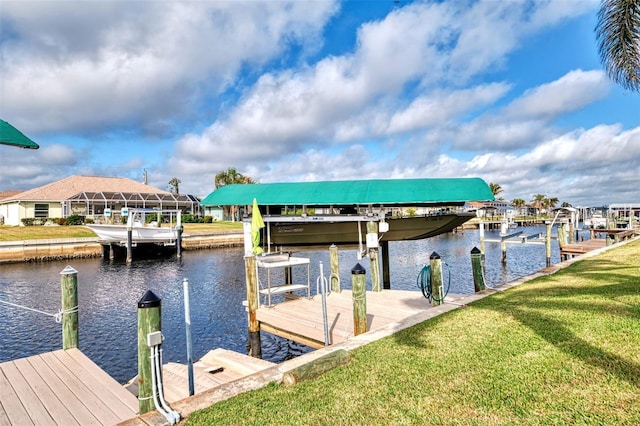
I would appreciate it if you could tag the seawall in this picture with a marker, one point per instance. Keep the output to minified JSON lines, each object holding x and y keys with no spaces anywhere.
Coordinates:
{"x":75,"y":248}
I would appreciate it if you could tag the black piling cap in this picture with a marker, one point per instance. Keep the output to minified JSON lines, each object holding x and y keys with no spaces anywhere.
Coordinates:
{"x":358,"y":270}
{"x":149,"y":300}
{"x":434,"y":255}
{"x":475,"y":250}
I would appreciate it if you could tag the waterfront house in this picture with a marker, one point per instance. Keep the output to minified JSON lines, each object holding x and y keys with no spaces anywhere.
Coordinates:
{"x":98,"y":198}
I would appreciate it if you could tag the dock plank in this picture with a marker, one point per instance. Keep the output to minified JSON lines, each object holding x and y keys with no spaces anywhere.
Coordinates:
{"x":75,"y":407}
{"x":64,"y":388}
{"x":37,"y":412}
{"x":13,"y":411}
{"x":47,"y":396}
{"x":96,"y":406}
{"x":122,"y":402}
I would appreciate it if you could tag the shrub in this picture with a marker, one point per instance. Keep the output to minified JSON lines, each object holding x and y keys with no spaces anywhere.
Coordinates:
{"x":75,"y":219}
{"x":189,"y":218}
{"x":208,"y":219}
{"x":60,"y":221}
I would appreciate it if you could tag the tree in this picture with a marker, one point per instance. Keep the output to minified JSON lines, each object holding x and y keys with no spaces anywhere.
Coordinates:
{"x":565,"y":204}
{"x":550,"y":203}
{"x":538,"y":201}
{"x":495,"y":188}
{"x":174,"y":184}
{"x":229,"y":177}
{"x":618,"y":35}
{"x":518,"y":203}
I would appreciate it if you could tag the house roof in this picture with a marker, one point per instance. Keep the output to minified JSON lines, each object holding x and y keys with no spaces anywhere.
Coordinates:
{"x":68,"y":187}
{"x":8,"y":193}
{"x":354,"y":192}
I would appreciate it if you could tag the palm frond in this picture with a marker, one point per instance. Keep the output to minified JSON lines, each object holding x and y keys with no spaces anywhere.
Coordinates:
{"x":618,"y":35}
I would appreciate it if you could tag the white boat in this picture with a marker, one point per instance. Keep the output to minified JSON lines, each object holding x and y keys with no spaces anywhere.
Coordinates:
{"x":596,"y":221}
{"x":140,"y":231}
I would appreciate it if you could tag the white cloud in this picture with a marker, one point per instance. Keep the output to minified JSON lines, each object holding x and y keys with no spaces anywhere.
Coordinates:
{"x":119,"y":63}
{"x":569,"y":93}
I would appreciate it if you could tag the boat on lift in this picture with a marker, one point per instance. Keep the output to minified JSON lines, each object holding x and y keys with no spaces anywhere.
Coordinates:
{"x":141,"y":232}
{"x":352,"y":229}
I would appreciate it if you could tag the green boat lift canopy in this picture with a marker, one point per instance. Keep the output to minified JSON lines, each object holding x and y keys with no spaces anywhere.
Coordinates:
{"x":377,"y":192}
{"x":9,"y":135}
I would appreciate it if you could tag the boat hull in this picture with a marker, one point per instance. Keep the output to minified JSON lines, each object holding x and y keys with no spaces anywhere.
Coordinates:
{"x":345,"y":232}
{"x":139,"y":234}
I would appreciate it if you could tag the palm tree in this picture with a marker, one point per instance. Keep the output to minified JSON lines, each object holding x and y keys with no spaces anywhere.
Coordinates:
{"x":538,"y":202}
{"x":550,"y":203}
{"x":618,"y":34}
{"x":229,"y":177}
{"x":495,"y":188}
{"x":518,"y":202}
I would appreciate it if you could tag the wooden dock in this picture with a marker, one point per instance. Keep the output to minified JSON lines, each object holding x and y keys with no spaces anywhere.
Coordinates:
{"x":217,"y":367}
{"x":63,"y":387}
{"x":582,"y":247}
{"x":301,"y":319}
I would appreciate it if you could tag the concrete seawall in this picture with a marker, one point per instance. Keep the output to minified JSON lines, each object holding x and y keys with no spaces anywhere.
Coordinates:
{"x":74,"y":248}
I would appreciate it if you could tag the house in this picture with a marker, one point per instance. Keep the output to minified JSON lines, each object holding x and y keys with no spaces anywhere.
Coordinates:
{"x":94,"y":197}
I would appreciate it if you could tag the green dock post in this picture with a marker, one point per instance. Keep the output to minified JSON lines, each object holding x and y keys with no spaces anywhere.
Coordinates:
{"x":436,"y":279}
{"x":69,"y":293}
{"x":372,"y":244}
{"x":335,"y":268}
{"x":477,"y":269}
{"x":359,"y":295}
{"x":149,"y":321}
{"x":251,"y":273}
{"x":547,"y":242}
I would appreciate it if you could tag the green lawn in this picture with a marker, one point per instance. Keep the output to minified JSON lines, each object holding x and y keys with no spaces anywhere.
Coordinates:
{"x":562,"y":349}
{"x":20,"y":233}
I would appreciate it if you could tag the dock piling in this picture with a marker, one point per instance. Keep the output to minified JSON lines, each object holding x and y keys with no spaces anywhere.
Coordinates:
{"x":372,"y":245}
{"x":255,"y":349}
{"x":129,"y":244}
{"x":179,"y":229}
{"x":359,"y":295}
{"x":477,"y":269}
{"x":69,"y":292}
{"x":437,"y":292}
{"x":547,"y":242}
{"x":149,"y":321}
{"x":335,"y":268}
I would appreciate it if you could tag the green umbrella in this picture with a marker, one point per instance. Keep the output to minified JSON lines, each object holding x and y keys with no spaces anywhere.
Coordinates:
{"x":256,"y":224}
{"x":9,"y":135}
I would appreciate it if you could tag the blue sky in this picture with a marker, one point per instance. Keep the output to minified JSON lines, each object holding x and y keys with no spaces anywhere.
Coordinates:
{"x":509,"y":91}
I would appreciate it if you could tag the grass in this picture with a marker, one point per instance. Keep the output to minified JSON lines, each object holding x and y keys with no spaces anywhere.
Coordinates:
{"x":21,"y":233}
{"x":561,"y":349}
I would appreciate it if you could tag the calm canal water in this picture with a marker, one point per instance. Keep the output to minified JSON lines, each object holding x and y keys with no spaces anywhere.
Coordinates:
{"x":108,"y":293}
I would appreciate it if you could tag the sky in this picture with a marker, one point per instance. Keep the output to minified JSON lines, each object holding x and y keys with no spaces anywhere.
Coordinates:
{"x":512,"y":92}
